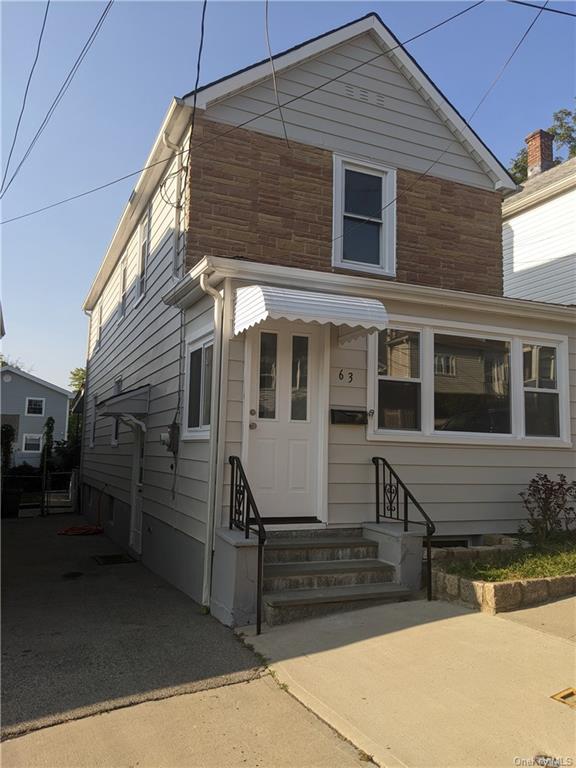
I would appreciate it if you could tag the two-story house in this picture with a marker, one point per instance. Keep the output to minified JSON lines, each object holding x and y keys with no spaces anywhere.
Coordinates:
{"x":314,"y":304}
{"x":539,"y":228}
{"x":27,"y":401}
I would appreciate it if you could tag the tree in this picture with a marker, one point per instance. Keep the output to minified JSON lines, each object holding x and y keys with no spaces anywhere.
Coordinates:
{"x":8,"y":439}
{"x":14,"y":362}
{"x":77,"y":378}
{"x":563,"y":129}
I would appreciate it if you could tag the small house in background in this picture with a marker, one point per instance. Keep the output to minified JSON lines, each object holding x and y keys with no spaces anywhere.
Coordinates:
{"x":539,"y":228}
{"x":27,"y":402}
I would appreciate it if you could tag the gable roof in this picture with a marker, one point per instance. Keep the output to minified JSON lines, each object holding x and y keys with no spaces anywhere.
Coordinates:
{"x":35,"y":379}
{"x":261,"y":70}
{"x":542,"y":187}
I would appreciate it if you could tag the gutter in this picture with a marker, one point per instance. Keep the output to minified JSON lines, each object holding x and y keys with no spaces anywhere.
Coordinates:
{"x":214,"y":436}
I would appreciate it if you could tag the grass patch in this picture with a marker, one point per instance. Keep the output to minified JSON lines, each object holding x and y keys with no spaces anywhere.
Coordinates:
{"x":556,"y":560}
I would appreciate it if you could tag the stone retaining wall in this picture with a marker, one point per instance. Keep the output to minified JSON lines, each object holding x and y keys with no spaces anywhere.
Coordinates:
{"x":497,"y":596}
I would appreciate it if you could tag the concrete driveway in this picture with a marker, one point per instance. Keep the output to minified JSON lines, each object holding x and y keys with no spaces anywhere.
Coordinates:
{"x":423,"y":684}
{"x":80,"y":638}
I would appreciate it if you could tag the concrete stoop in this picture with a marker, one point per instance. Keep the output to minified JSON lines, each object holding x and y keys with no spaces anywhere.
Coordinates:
{"x":314,"y":573}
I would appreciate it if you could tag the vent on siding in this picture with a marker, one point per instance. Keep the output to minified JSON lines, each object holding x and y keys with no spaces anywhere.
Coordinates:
{"x":361,"y":94}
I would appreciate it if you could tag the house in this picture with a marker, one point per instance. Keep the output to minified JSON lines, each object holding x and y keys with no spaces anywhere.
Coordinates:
{"x":27,"y":402}
{"x":316,"y":339}
{"x":539,"y":228}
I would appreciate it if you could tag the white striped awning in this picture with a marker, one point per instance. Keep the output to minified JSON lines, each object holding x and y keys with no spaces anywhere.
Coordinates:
{"x":356,"y":315}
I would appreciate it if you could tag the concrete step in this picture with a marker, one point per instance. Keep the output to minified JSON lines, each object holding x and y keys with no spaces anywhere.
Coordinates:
{"x":320,"y":533}
{"x":319,"y":549}
{"x":294,"y":605}
{"x":279,"y":577}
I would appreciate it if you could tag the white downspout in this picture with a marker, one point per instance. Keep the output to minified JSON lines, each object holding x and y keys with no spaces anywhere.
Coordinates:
{"x":214,"y":436}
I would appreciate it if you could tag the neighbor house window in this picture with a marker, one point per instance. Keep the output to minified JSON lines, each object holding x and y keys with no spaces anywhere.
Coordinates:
{"x":475,"y":397}
{"x":32,"y":443}
{"x":449,"y":386}
{"x":541,"y":392}
{"x":399,"y":383}
{"x":198,"y":387}
{"x":35,"y":406}
{"x":364,"y":216}
{"x":123,"y":299}
{"x":143,"y":253}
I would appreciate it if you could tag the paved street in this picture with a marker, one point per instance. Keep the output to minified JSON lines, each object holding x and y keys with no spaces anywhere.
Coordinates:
{"x":422,"y":684}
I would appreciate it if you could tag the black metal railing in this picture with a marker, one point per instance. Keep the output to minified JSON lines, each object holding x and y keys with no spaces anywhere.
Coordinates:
{"x":245,"y":517}
{"x":394,"y":501}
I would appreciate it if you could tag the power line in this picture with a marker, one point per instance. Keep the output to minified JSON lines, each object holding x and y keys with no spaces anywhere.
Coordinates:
{"x":60,"y":95}
{"x":543,"y":7}
{"x":225,"y":133}
{"x":22,"y":108}
{"x":453,"y":141}
{"x":274,"y":83}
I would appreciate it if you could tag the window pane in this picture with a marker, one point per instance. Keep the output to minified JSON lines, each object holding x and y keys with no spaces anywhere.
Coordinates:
{"x":195,"y":388}
{"x":363,"y":194}
{"x":299,"y":394}
{"x":398,"y":405}
{"x":361,"y":241}
{"x":541,"y":410}
{"x":35,"y":407}
{"x":267,"y":397}
{"x":207,"y":391}
{"x":539,"y":366}
{"x":399,"y":354}
{"x":475,"y":394}
{"x":32,"y":443}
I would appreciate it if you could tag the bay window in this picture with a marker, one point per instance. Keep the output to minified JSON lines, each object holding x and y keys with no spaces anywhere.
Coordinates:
{"x":445,"y":385}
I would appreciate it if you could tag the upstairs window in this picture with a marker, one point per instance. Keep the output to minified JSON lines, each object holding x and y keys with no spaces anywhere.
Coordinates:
{"x":123,"y":299}
{"x":35,"y":406}
{"x":116,"y":421}
{"x":97,"y":319}
{"x":364,"y":217}
{"x":199,"y":360}
{"x":143,"y":253}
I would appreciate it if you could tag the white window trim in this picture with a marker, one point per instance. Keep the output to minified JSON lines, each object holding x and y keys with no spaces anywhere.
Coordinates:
{"x":142,"y":273}
{"x":387,"y":264}
{"x":198,"y":340}
{"x":27,"y":450}
{"x":43,"y":399}
{"x":517,"y":337}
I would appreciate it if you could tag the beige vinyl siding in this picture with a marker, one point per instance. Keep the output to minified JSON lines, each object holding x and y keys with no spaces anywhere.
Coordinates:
{"x":234,"y":417}
{"x":144,"y":348}
{"x":374,"y":112}
{"x":539,"y":249}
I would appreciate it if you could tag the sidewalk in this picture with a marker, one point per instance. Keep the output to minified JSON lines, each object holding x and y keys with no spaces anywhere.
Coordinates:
{"x":421,"y":684}
{"x":247,"y":725}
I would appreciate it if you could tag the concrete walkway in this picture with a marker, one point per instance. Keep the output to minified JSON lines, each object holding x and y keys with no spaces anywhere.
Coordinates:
{"x":248,"y":725}
{"x":423,"y":684}
{"x":80,"y":638}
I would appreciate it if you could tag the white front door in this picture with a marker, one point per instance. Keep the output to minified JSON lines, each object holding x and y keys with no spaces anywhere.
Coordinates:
{"x":283,"y":419}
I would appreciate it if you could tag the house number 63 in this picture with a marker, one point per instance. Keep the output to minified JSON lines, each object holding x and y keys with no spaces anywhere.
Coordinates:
{"x":348,"y":375}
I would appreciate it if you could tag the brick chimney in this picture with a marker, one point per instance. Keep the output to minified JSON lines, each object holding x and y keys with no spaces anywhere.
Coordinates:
{"x":540,"y":152}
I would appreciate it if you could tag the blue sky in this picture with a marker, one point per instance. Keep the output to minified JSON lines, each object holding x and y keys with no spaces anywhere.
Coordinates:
{"x":144,"y":55}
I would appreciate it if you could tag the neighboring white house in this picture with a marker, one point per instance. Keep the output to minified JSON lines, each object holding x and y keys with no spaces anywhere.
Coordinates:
{"x":539,"y":229}
{"x":27,"y":402}
{"x":308,"y":307}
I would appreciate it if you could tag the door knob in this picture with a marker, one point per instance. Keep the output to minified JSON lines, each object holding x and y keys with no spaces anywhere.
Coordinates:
{"x":253,"y":425}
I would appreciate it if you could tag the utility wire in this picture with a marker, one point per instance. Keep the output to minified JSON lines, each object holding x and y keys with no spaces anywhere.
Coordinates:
{"x":543,"y":7}
{"x":22,"y":108}
{"x":60,"y":95}
{"x":225,"y":133}
{"x":274,"y":82}
{"x":453,"y":141}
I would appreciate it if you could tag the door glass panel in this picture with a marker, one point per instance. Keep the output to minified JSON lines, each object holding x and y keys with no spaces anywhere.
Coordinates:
{"x":268,"y":368}
{"x":299,"y":389}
